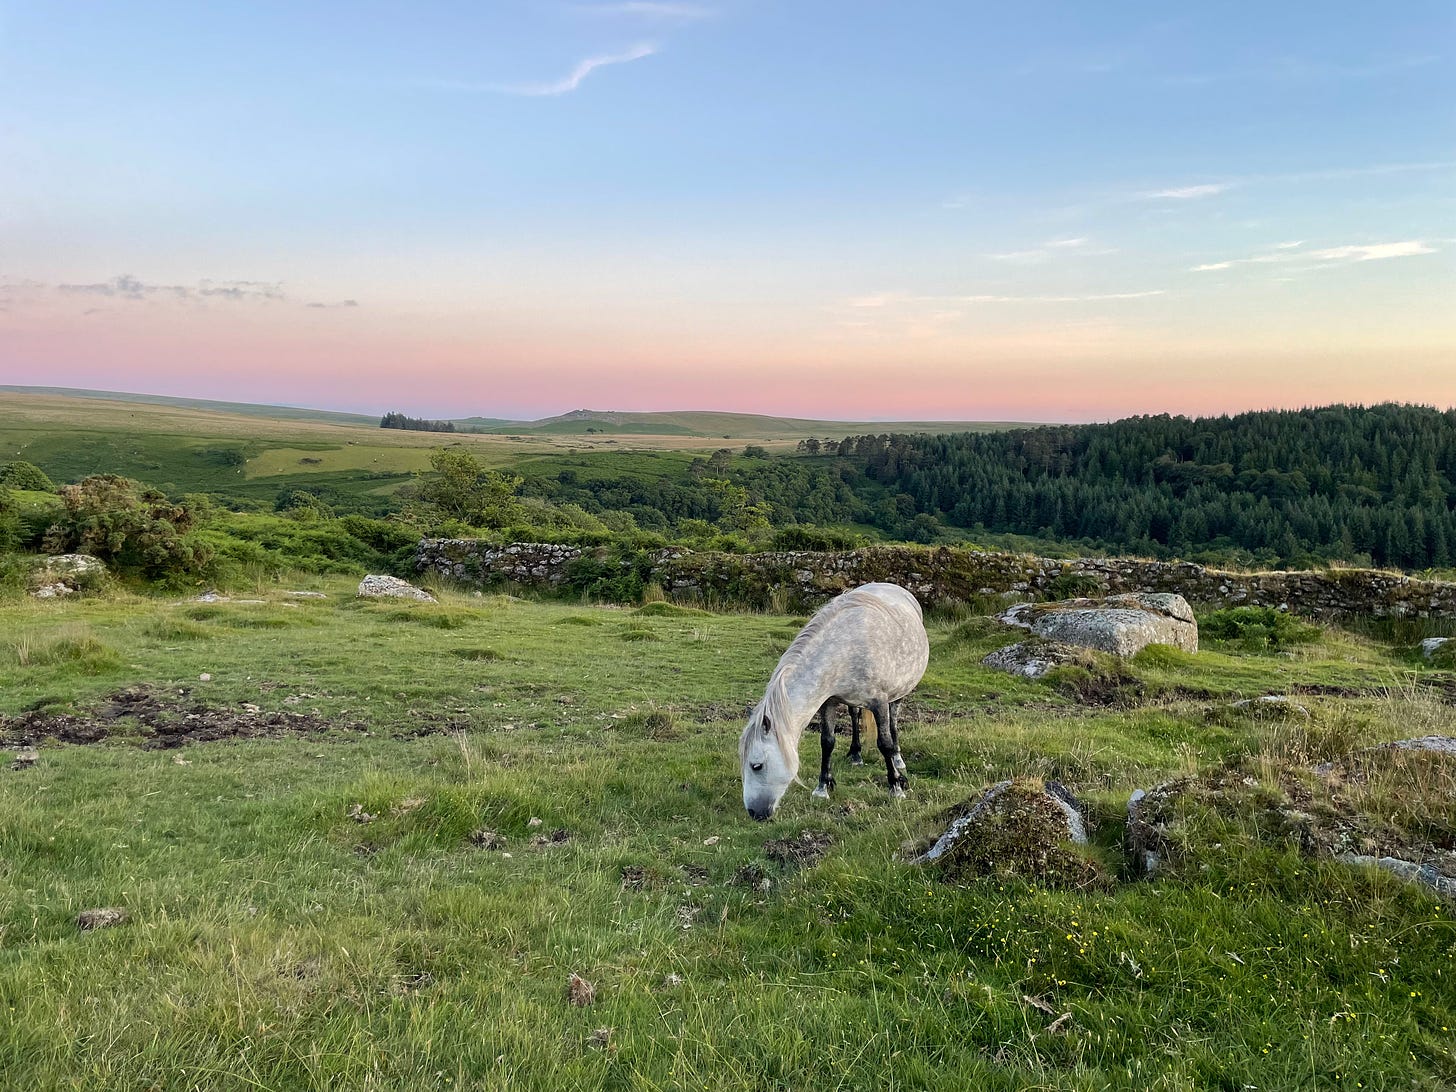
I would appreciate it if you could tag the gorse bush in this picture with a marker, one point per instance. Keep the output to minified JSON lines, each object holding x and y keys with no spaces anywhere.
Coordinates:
{"x":1256,"y":628}
{"x":129,"y":525}
{"x":23,"y":475}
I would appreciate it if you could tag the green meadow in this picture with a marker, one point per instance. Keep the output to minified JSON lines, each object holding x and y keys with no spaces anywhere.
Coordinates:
{"x":365,"y":845}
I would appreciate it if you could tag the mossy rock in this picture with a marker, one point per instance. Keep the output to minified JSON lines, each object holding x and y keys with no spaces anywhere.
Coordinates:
{"x":1023,"y":828}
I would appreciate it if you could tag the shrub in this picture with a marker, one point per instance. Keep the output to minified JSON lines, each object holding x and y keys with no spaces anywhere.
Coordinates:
{"x":301,"y":505}
{"x":132,"y":526}
{"x":9,"y":522}
{"x":618,"y":575}
{"x":23,"y":475}
{"x":1257,"y":628}
{"x":380,"y":534}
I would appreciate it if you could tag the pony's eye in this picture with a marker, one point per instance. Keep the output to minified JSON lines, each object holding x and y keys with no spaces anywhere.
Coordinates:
{"x":756,"y":767}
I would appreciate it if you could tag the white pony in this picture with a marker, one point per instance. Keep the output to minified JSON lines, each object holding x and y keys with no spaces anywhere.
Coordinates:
{"x":864,"y":648}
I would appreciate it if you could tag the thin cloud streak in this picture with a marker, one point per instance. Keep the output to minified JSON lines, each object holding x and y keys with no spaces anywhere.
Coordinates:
{"x":574,"y":79}
{"x":128,"y":287}
{"x":1054,"y":248}
{"x":1187,"y":193}
{"x":1361,"y":252}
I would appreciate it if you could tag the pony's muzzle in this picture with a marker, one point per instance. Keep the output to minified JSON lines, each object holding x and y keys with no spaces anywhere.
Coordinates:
{"x":760,"y":812}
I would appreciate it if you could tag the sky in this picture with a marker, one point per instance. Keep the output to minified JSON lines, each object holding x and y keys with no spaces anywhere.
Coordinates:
{"x":930,"y":209}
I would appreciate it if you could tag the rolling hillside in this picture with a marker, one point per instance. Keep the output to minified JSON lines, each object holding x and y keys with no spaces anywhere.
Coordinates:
{"x":708,"y":423}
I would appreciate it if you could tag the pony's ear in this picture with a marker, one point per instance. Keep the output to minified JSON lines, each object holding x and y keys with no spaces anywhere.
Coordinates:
{"x":767,"y":726}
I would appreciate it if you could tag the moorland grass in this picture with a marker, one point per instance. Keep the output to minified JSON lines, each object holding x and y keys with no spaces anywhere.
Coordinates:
{"x":275,"y":941}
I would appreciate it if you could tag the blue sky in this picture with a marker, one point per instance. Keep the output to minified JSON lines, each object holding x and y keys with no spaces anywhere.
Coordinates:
{"x":1033,"y":210}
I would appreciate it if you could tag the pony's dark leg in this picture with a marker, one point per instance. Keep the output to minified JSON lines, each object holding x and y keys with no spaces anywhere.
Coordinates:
{"x":894,"y":764}
{"x":856,"y":720}
{"x":826,"y":748}
{"x":895,"y":739}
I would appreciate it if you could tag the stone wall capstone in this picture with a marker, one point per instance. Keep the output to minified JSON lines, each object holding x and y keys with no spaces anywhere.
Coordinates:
{"x":801,"y":580}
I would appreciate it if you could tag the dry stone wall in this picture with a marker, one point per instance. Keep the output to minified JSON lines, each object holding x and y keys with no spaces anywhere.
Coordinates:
{"x":801,"y":580}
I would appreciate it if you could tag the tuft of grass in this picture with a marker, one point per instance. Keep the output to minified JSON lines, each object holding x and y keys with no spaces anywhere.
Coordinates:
{"x":72,"y":646}
{"x":639,"y":633}
{"x":167,"y":628}
{"x":476,"y":654}
{"x":668,"y":610}
{"x":434,"y":617}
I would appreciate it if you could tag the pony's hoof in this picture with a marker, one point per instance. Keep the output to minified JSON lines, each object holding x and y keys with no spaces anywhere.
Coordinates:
{"x":821,"y":793}
{"x":856,"y":760}
{"x":897,"y":793}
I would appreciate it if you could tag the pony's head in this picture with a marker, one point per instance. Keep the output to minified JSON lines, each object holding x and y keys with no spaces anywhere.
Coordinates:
{"x":769,"y":760}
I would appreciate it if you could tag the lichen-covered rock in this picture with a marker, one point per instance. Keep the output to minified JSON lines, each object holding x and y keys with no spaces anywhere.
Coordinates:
{"x":74,"y":565}
{"x":1122,"y":624}
{"x":1439,"y":651}
{"x":61,"y":575}
{"x":390,"y":587}
{"x":103,"y":917}
{"x":1034,"y":657}
{"x":1019,"y":828}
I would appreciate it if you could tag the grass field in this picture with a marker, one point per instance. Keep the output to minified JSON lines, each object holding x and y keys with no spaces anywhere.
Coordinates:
{"x":309,"y":909}
{"x":256,"y":453}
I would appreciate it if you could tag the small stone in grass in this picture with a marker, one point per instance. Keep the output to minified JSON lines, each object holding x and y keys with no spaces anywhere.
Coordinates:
{"x":579,"y":991}
{"x":601,"y":1037}
{"x":101,"y":917}
{"x":487,"y":839}
{"x":533,"y":822}
{"x":359,"y":815}
{"x":25,"y":759}
{"x":204,"y":677}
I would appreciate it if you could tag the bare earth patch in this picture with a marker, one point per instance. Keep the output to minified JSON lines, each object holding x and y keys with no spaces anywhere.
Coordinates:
{"x":800,"y":851}
{"x":165,"y":721}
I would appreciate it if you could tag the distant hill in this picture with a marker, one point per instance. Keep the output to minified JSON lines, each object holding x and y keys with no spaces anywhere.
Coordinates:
{"x":706,"y":424}
{"x":251,"y":409}
{"x":709,"y":423}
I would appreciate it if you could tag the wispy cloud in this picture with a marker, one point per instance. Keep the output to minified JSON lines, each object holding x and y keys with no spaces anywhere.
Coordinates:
{"x":647,"y":9}
{"x":1187,"y":193}
{"x":128,"y":287}
{"x":1284,"y":253}
{"x":1373,"y":252}
{"x":574,"y":78}
{"x":1081,"y":246}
